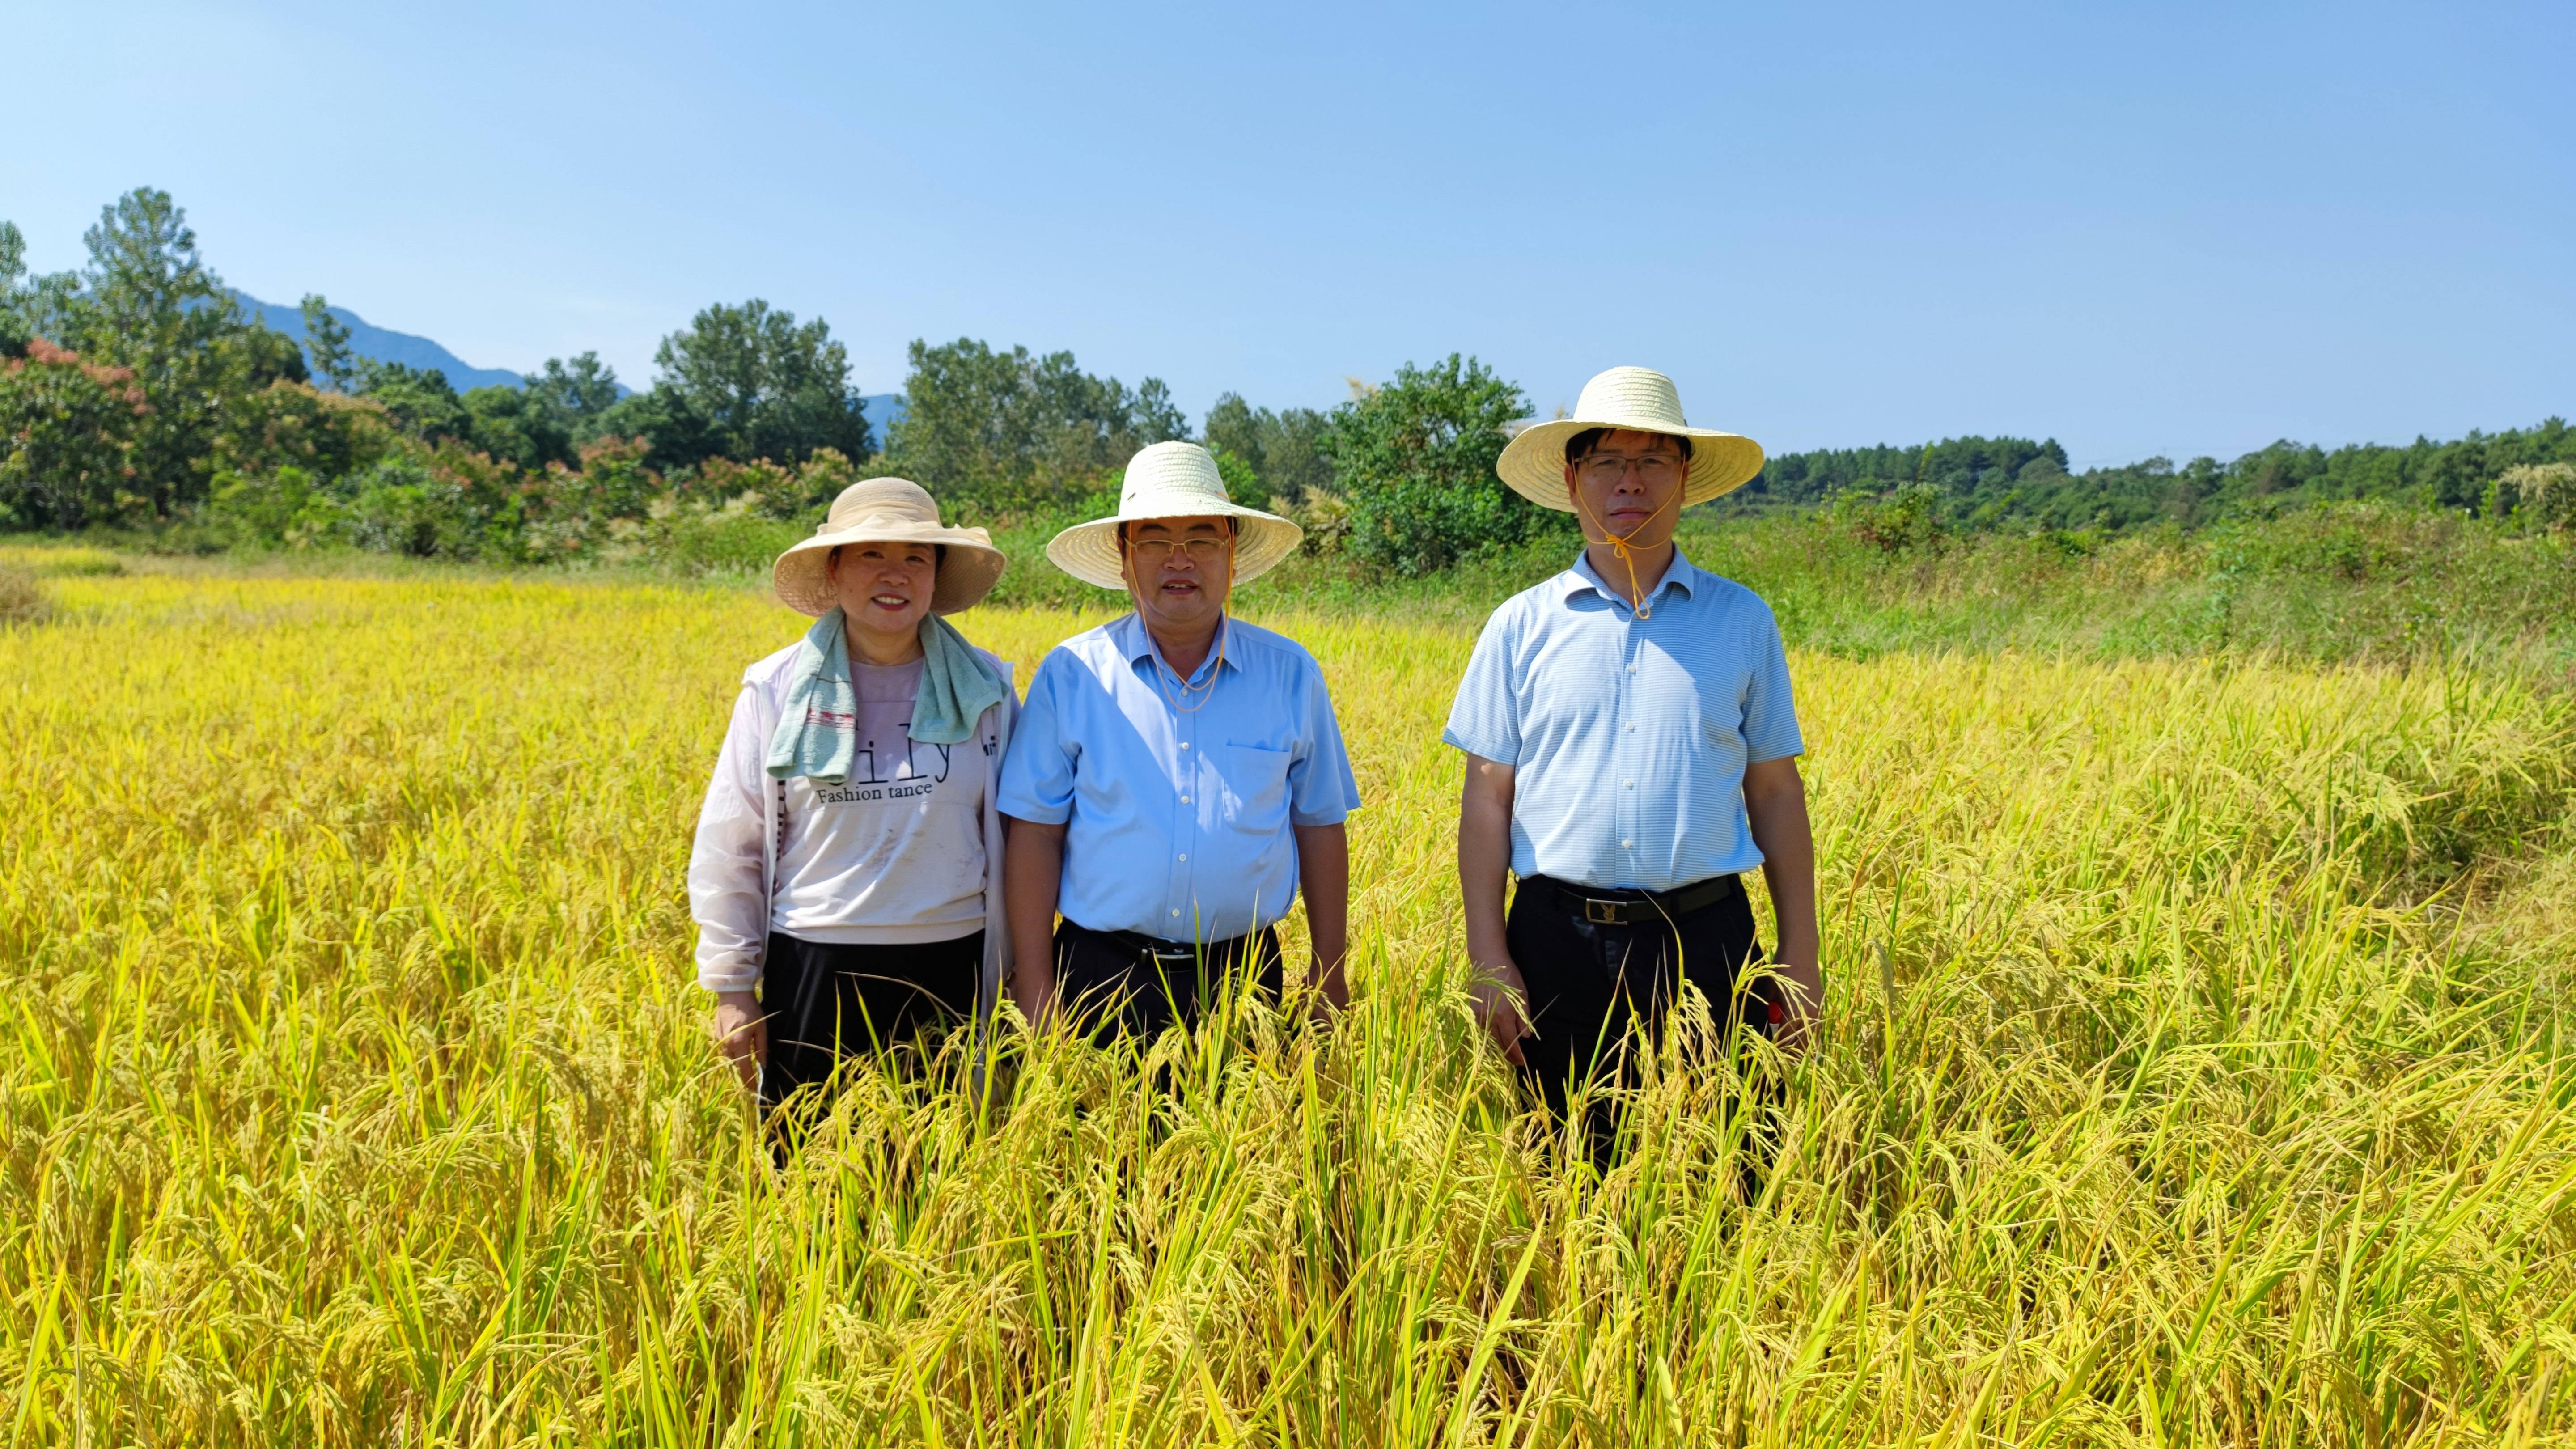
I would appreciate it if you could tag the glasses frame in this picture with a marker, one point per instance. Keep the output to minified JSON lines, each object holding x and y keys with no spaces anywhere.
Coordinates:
{"x":1202,"y":550}
{"x":1614,"y":467}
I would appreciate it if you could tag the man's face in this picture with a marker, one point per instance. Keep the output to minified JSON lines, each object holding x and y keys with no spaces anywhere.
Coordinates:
{"x":1179,"y":568}
{"x":1631,"y":486}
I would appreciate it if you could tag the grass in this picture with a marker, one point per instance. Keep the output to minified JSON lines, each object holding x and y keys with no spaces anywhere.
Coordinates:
{"x":21,"y":601}
{"x":61,"y":561}
{"x":2199,"y":1072}
{"x":2332,"y":583}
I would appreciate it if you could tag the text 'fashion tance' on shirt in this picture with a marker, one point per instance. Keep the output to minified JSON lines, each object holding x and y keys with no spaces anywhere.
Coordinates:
{"x":895,"y":853}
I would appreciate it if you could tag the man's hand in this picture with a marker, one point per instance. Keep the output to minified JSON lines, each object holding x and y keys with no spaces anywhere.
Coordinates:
{"x":1484,"y":865}
{"x":1775,"y":805}
{"x":1034,"y":995}
{"x":742,"y":1035}
{"x":1794,"y":1010}
{"x":1324,"y":881}
{"x":1498,"y":994}
{"x":1032,"y":877}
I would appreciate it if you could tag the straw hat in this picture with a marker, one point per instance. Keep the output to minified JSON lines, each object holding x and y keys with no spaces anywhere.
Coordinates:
{"x":1626,"y":397}
{"x":1173,"y":480}
{"x":887,"y":510}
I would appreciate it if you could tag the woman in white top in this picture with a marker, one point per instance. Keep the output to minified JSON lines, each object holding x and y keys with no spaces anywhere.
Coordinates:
{"x":850,"y":847}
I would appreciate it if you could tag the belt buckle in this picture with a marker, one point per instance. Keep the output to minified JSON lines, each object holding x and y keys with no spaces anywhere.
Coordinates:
{"x":1603,"y":913}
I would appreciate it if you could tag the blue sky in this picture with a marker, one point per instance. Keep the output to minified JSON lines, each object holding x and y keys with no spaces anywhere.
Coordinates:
{"x":2137,"y":228}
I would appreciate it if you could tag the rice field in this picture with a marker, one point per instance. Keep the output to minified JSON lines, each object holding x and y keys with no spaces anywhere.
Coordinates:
{"x":2197,"y":1073}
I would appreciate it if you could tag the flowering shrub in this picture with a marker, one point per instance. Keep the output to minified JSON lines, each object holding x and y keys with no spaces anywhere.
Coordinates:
{"x":67,"y":440}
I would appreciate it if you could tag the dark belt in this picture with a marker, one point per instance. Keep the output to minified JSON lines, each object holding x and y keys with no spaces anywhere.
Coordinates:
{"x":1612,"y":906}
{"x":1155,"y":951}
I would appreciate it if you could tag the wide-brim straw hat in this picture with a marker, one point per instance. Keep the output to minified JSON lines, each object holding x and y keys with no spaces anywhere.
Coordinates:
{"x":888,"y":510}
{"x":1638,"y":398}
{"x":1173,"y":480}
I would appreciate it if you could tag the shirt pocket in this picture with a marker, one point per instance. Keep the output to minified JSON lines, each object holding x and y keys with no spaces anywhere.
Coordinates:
{"x":1256,"y":788}
{"x":1718,"y":698}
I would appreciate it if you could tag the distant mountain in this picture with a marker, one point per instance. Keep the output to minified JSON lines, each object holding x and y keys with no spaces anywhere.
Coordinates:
{"x":384,"y":345}
{"x":882,"y":409}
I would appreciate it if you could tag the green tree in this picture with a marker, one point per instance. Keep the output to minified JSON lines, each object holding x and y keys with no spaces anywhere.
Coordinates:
{"x":1234,"y":426}
{"x":14,"y":331}
{"x":1280,"y":447}
{"x":421,"y":401}
{"x":764,"y":386}
{"x":326,"y":346}
{"x":148,"y":297}
{"x":1415,"y":458}
{"x":147,"y":302}
{"x":577,"y":391}
{"x":517,"y":426}
{"x":1013,"y":428}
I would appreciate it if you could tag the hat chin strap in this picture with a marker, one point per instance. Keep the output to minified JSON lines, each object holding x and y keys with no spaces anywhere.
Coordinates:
{"x":1619,"y":545}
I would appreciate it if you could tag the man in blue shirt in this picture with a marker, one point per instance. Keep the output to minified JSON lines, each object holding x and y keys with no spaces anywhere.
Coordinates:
{"x":1632,"y":748}
{"x":1176,"y":776}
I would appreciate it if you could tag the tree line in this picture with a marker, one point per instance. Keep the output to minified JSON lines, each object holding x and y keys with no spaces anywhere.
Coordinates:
{"x":134,"y":393}
{"x":2016,"y":485}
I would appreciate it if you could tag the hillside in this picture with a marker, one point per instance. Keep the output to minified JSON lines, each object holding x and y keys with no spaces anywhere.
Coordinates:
{"x":383,"y":344}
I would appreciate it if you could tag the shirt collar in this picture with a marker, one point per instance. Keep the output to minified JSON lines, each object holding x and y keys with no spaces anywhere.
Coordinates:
{"x":1138,"y":645}
{"x":1682,"y":575}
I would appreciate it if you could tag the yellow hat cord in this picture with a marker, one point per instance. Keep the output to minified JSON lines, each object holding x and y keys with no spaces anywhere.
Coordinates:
{"x":1619,"y":545}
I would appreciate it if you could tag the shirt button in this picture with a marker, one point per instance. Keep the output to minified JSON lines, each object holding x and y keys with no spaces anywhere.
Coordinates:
{"x":1176,"y":910}
{"x":1184,"y":857}
{"x":1632,"y":784}
{"x":1623,"y":845}
{"x":1185,"y":799}
{"x":1632,"y":669}
{"x":1632,"y":729}
{"x":1185,"y":744}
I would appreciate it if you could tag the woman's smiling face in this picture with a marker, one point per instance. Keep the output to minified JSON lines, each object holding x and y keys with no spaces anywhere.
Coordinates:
{"x":884,"y":588}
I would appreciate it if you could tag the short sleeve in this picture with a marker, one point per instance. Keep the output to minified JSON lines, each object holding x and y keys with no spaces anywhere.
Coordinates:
{"x":1770,"y":714}
{"x":1485,"y":720}
{"x":1037,"y":771}
{"x":1321,"y":788}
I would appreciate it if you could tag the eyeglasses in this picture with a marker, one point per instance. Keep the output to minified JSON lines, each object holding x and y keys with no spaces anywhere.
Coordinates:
{"x":1654,"y":469}
{"x":1159,"y":550}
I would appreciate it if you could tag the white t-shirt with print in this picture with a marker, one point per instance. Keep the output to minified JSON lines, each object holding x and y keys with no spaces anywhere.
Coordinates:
{"x":894,"y":854}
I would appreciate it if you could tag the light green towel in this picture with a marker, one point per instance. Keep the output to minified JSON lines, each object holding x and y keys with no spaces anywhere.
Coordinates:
{"x":818,"y":725}
{"x":957,"y":686}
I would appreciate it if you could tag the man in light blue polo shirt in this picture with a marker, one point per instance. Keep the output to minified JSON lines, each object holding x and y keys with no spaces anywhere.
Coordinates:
{"x":1177,"y":775}
{"x":1632,"y":749}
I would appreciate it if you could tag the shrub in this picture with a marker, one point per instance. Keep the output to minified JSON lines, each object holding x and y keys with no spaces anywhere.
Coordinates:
{"x":67,"y":441}
{"x":736,"y":538}
{"x":1906,"y":521}
{"x":396,"y":510}
{"x":287,"y":424}
{"x":799,"y":494}
{"x":1242,"y":483}
{"x":1415,"y":459}
{"x":287,"y":508}
{"x":2540,"y":494}
{"x":21,"y":602}
{"x":1326,"y":517}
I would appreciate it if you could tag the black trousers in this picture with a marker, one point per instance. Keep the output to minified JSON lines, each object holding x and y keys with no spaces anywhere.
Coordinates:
{"x":1126,"y":984}
{"x":1599,"y":992}
{"x":826,"y":1001}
